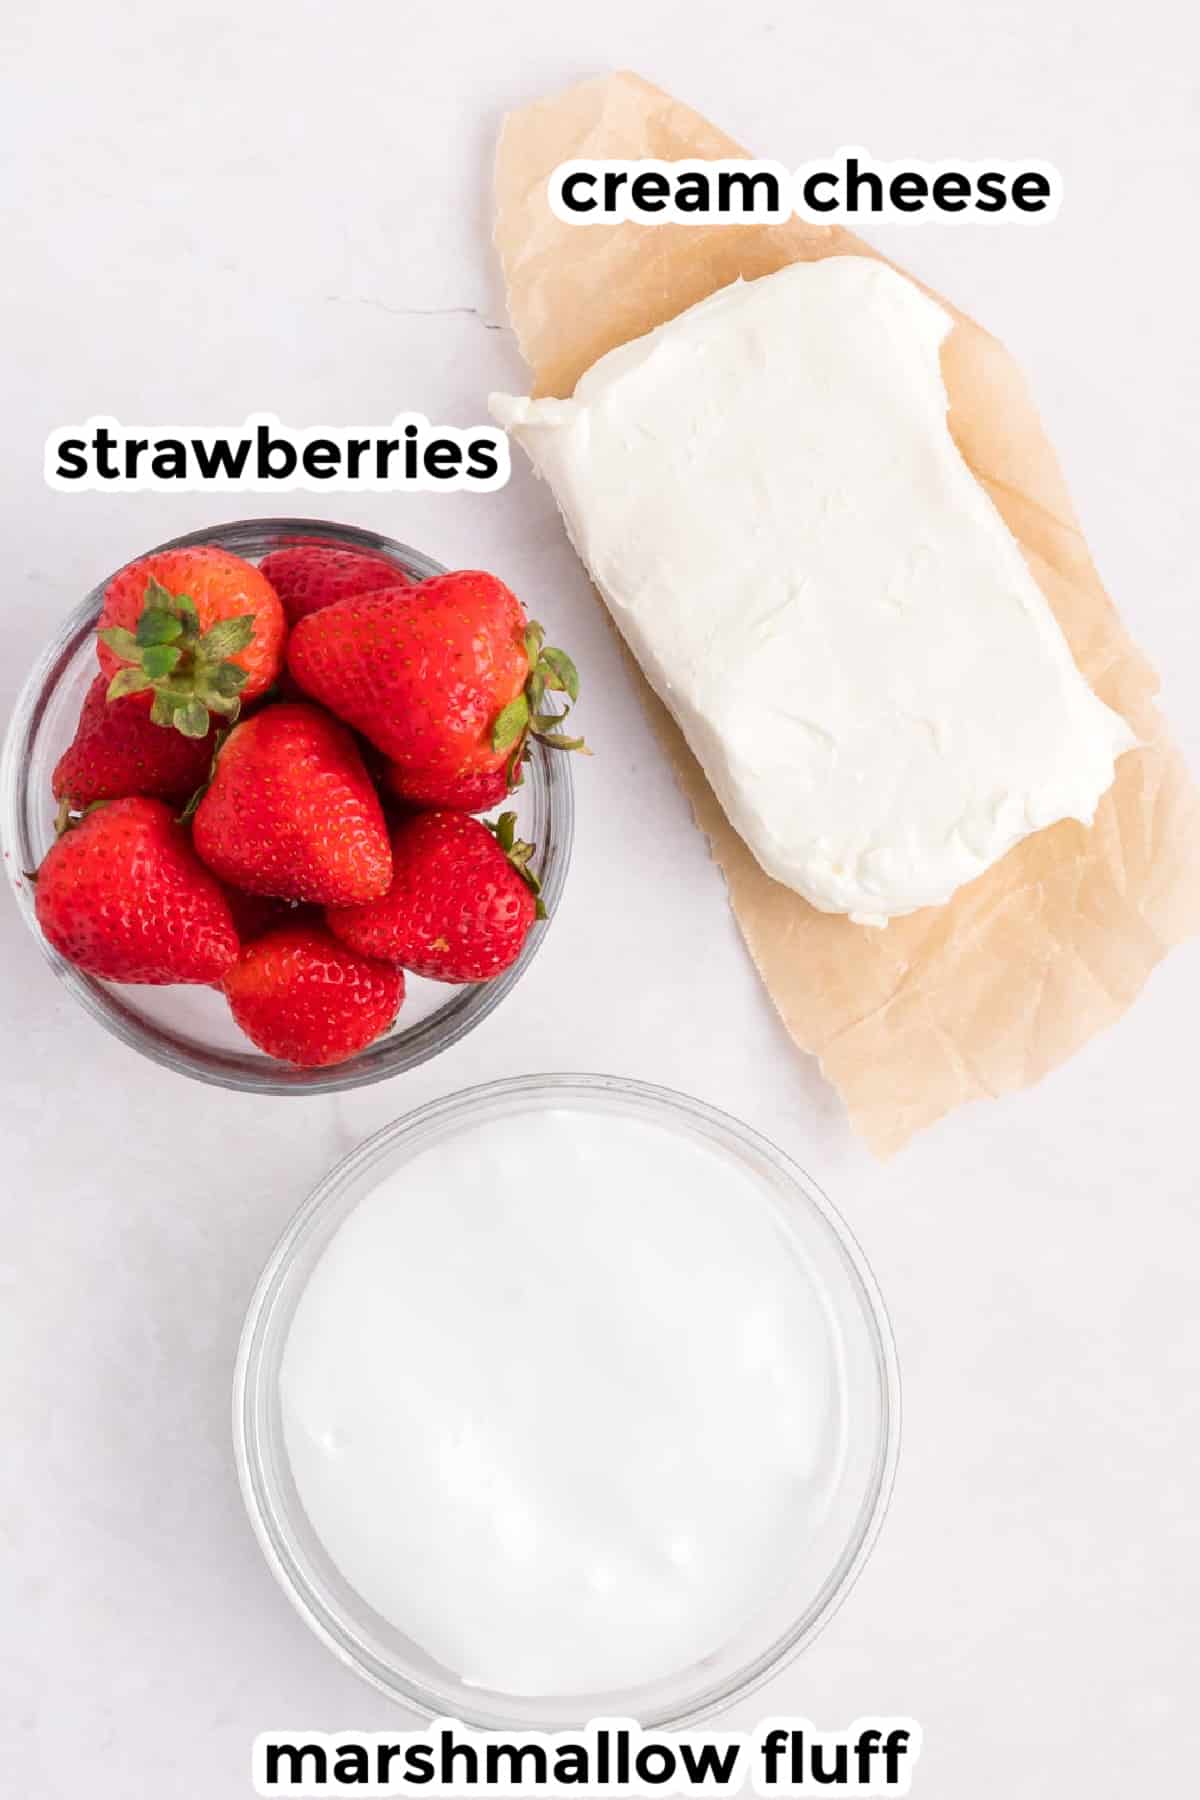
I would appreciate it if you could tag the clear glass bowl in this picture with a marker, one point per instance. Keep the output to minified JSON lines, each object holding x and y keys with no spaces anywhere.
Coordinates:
{"x":827,"y":1554}
{"x":189,"y":1029}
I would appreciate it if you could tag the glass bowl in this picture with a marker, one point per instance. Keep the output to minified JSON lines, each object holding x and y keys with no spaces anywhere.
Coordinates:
{"x":814,"y":1572}
{"x":190,"y":1029}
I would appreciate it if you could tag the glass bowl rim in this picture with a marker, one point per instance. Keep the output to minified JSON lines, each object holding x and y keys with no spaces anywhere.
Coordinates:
{"x":272,"y":1529}
{"x":469,"y":1005}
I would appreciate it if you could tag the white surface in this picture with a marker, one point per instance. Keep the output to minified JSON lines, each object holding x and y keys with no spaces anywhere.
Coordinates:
{"x":568,"y":1433}
{"x":285,"y":207}
{"x":767,"y":495}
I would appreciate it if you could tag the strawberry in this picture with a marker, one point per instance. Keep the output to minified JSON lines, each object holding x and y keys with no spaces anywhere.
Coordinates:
{"x":308,"y":576}
{"x":291,"y":811}
{"x":461,"y":903}
{"x":123,"y":896}
{"x":447,"y":678}
{"x":308,"y":1000}
{"x":460,"y":793}
{"x":117,"y":750}
{"x":200,"y":629}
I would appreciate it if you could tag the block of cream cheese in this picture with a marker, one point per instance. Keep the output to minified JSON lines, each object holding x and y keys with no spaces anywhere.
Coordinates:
{"x":768,"y":498}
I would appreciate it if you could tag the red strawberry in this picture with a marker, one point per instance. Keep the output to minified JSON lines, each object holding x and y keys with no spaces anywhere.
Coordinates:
{"x":302,"y":997}
{"x":117,"y":750}
{"x":309,"y":576}
{"x":200,"y":628}
{"x":460,"y":905}
{"x":123,"y":896}
{"x":461,"y":793}
{"x":291,"y":811}
{"x":446,"y":678}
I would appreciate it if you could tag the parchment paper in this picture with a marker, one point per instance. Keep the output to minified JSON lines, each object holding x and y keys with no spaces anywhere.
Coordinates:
{"x":990,"y":991}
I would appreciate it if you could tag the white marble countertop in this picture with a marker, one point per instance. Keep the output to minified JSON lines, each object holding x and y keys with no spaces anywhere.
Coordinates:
{"x":285,"y":207}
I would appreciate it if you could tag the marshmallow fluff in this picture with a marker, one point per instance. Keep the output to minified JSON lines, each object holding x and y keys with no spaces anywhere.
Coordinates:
{"x":768,"y":498}
{"x":560,"y":1398}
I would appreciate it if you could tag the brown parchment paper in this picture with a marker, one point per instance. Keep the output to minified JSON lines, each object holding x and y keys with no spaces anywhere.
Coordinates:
{"x":988,"y":992}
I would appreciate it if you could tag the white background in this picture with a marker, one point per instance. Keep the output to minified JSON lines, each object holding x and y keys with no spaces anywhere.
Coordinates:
{"x":286,"y":207}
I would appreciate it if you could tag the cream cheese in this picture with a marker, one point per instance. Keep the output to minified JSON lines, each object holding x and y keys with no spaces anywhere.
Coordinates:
{"x":767,"y":496}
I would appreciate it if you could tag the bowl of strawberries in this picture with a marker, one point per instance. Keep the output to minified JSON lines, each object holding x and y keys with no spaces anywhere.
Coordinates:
{"x":286,"y":803}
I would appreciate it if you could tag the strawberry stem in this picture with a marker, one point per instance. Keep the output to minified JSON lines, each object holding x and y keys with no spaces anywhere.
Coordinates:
{"x":197,"y":794}
{"x":69,"y":815}
{"x":550,"y":671}
{"x":504,"y":830}
{"x":190,"y":673}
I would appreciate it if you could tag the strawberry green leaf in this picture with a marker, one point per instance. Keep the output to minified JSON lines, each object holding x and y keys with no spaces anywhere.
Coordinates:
{"x":193,"y":803}
{"x":563,"y":675}
{"x":551,"y":670}
{"x":519,"y":853}
{"x":511,"y":723}
{"x":122,"y":643}
{"x":229,"y":680}
{"x":165,"y":707}
{"x":228,"y":705}
{"x":227,"y":638}
{"x":194,"y":799}
{"x":535,"y":637}
{"x":558,"y":740}
{"x":127,"y":681}
{"x":192,"y":719}
{"x":157,"y":626}
{"x":159,"y":660}
{"x":155,"y":594}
